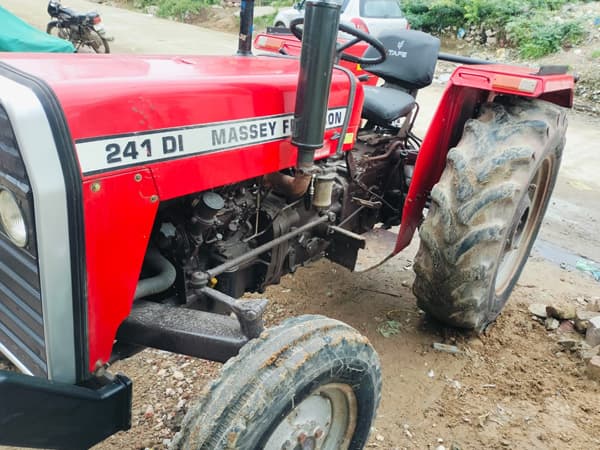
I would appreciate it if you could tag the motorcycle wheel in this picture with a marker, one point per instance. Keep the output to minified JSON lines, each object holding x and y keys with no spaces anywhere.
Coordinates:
{"x":60,"y":32}
{"x":91,"y":42}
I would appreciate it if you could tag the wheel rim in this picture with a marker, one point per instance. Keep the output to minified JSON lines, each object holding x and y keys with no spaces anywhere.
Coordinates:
{"x":325,"y":420}
{"x":529,"y":214}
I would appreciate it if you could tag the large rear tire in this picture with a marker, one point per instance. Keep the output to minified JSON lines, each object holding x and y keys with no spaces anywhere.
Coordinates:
{"x":486,"y":211}
{"x":310,"y":383}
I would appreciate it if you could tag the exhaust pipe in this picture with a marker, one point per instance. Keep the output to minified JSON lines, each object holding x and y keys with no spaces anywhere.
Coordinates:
{"x":291,"y":187}
{"x":246,"y":28}
{"x":321,"y":19}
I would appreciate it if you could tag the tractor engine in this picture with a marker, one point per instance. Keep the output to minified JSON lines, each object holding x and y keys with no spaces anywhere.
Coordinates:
{"x":201,"y":231}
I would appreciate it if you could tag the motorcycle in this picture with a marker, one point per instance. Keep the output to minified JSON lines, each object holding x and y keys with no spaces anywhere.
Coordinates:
{"x":85,"y":31}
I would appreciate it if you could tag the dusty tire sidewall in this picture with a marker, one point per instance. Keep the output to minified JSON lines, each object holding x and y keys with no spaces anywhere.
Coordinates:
{"x":467,"y":236}
{"x":275,"y":371}
{"x":553,"y":151}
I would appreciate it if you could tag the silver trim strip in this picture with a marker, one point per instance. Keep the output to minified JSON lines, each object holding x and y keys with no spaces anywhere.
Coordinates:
{"x":40,"y":155}
{"x":13,"y":359}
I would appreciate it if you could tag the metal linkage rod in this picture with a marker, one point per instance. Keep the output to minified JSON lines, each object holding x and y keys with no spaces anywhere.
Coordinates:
{"x":215,"y":271}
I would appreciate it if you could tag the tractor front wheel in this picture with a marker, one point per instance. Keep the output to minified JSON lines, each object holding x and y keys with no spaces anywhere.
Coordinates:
{"x":486,"y":211}
{"x":310,"y":383}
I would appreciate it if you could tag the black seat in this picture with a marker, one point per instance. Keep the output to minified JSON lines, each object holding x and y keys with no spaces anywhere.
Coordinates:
{"x":77,"y":17}
{"x":67,"y":11}
{"x":409,"y":66}
{"x":384,"y":105}
{"x":410,"y":59}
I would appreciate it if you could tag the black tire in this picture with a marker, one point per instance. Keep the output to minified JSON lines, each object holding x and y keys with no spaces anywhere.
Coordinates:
{"x":486,"y":211}
{"x":53,"y":29}
{"x":249,"y":406}
{"x":280,"y":25}
{"x":51,"y":26}
{"x":94,"y":42}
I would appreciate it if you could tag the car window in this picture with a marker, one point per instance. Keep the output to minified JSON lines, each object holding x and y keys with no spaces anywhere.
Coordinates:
{"x":344,"y":5}
{"x":380,"y":8}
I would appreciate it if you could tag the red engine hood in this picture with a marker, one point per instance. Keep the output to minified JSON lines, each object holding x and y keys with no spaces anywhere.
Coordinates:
{"x":115,"y":94}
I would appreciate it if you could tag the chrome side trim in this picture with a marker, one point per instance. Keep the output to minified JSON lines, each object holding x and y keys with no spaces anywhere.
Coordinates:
{"x":13,"y":359}
{"x":40,"y":156}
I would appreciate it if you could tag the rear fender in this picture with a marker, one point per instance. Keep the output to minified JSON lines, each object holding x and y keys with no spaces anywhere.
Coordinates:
{"x":468,"y":87}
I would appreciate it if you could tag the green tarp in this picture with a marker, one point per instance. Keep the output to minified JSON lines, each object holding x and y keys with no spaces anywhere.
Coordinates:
{"x":18,"y":36}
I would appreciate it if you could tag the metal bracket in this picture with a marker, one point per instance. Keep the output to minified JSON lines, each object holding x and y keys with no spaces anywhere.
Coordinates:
{"x":249,"y":313}
{"x":344,"y":246}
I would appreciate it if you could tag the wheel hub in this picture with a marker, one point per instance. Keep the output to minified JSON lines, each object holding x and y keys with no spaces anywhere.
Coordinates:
{"x":529,"y":214}
{"x":325,"y":420}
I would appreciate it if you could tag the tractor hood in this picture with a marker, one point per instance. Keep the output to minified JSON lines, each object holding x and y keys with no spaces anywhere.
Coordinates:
{"x":236,"y":101}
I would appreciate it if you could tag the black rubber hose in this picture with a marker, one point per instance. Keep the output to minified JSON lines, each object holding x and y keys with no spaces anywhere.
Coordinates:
{"x":158,"y":283}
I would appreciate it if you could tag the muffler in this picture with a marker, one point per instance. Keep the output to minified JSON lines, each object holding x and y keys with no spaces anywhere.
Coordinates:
{"x":321,"y":19}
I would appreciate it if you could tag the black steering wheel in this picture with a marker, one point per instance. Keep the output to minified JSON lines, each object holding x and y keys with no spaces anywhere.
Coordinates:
{"x":358,"y":37}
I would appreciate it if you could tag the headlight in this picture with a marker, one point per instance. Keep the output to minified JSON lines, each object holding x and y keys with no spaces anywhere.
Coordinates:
{"x":12,"y":218}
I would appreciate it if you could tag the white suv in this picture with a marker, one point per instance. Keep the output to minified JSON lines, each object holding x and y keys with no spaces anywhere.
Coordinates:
{"x":372,"y":16}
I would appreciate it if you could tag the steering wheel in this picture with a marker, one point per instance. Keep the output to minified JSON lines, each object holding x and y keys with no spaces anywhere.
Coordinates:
{"x":358,"y":37}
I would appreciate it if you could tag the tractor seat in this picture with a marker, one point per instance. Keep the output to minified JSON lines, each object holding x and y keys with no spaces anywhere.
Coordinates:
{"x":383,"y":105}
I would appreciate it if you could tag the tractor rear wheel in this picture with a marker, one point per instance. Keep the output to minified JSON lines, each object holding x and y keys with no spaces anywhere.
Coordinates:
{"x":486,"y":211}
{"x":310,"y":383}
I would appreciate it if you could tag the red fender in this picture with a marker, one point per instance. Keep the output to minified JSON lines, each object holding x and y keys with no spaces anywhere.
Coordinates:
{"x":468,"y":87}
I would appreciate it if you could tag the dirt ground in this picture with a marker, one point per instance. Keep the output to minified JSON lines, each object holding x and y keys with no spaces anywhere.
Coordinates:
{"x":513,"y":387}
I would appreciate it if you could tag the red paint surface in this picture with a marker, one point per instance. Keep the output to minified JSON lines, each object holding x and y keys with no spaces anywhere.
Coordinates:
{"x":288,"y":44}
{"x":119,"y":213}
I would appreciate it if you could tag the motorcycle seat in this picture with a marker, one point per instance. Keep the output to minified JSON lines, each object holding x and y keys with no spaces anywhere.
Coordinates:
{"x":76,"y":17}
{"x":383,"y":104}
{"x":67,"y":12}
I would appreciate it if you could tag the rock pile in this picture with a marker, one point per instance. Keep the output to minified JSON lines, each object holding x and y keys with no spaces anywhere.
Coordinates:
{"x":579,"y":328}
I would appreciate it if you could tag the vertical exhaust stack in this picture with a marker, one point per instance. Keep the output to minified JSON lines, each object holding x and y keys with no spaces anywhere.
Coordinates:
{"x":246,"y":28}
{"x":321,"y":21}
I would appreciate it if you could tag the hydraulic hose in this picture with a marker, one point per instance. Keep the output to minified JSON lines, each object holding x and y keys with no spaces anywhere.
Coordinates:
{"x":160,"y":282}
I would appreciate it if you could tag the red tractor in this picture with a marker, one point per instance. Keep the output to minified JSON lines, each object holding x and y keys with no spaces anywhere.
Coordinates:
{"x":141,"y":196}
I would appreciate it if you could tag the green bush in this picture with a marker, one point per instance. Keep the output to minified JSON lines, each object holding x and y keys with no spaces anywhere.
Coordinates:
{"x":178,"y":9}
{"x":542,"y":35}
{"x":433,"y":16}
{"x":526,"y":24}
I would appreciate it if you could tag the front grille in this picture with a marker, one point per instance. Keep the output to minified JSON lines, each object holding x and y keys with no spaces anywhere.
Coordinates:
{"x":21,"y":314}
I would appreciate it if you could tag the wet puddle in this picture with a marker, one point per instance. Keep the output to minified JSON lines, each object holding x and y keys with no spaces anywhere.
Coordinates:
{"x":566,"y":259}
